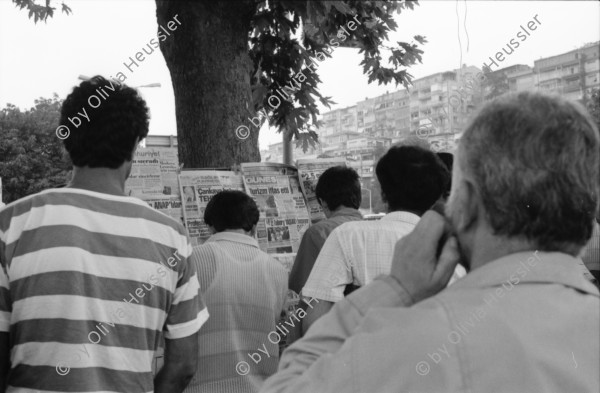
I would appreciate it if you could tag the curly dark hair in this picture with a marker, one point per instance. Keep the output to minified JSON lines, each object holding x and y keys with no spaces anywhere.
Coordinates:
{"x":411,"y":178}
{"x":117,"y":115}
{"x":231,"y":209}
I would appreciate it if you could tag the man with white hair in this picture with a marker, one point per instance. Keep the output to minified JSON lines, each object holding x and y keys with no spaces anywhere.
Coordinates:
{"x":524,"y":195}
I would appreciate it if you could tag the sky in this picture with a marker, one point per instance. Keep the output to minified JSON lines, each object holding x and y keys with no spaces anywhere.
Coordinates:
{"x":38,"y":60}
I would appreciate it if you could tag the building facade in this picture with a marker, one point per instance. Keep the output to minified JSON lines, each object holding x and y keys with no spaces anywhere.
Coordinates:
{"x":573,"y":74}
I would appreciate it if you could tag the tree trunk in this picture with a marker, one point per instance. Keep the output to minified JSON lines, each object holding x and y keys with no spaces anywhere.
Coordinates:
{"x":207,"y":56}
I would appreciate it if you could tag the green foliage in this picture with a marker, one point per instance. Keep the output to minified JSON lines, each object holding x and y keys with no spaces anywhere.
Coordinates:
{"x":281,"y":59}
{"x":31,"y":155}
{"x":40,"y":12}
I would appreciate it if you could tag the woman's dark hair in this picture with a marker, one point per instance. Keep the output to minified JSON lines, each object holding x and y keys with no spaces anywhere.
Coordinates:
{"x":231,"y":210}
{"x":105,"y":119}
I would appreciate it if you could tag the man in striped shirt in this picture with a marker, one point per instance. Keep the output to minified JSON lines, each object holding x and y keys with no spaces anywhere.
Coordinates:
{"x":90,"y":279}
{"x":245,"y":290}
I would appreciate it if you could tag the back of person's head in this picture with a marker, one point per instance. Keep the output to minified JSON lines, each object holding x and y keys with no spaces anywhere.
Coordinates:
{"x":411,"y":178}
{"x":534,"y":161}
{"x":118,"y":119}
{"x":231,"y":209}
{"x":339,"y":186}
{"x":448,"y":160}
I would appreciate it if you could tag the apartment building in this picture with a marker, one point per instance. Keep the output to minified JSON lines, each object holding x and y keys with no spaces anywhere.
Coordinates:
{"x":442,"y":103}
{"x":386,"y":116}
{"x":274,"y":153}
{"x":572,"y":74}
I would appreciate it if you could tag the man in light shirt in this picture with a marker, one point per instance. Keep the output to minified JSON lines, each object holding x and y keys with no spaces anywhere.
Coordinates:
{"x":412,"y":179}
{"x":524,"y":194}
{"x":338,"y":192}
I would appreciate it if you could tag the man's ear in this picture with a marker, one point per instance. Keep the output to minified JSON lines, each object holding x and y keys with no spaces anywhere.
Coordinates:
{"x":469,"y":204}
{"x":253,"y":231}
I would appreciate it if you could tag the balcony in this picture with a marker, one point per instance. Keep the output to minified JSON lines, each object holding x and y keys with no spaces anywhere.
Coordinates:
{"x":571,"y":87}
{"x":571,"y":77}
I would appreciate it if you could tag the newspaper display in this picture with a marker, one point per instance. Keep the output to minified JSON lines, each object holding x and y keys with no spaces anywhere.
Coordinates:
{"x":169,"y":169}
{"x":309,"y":171}
{"x":283,"y":214}
{"x":153,"y":179}
{"x":154,"y":172}
{"x":170,"y":205}
{"x":197,"y":187}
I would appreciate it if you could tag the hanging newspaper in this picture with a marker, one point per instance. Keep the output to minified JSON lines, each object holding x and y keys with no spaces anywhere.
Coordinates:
{"x":154,"y":172}
{"x":197,"y":188}
{"x":170,"y":205}
{"x":283,"y":214}
{"x":309,"y":171}
{"x":153,"y":179}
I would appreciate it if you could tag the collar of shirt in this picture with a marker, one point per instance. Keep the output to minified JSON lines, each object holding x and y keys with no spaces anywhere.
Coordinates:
{"x":531,"y":267}
{"x":346,"y":211}
{"x":407,"y":217}
{"x":233,"y":237}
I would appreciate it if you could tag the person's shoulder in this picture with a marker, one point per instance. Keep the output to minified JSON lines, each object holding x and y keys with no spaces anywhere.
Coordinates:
{"x":395,"y":225}
{"x":351,"y":225}
{"x":24,"y":205}
{"x":151,"y":214}
{"x":318,"y":230}
{"x":202,"y":249}
{"x":273,"y":264}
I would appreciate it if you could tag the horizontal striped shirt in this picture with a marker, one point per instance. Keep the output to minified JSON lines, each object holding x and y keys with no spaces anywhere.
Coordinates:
{"x":245,"y":290}
{"x":88,"y":284}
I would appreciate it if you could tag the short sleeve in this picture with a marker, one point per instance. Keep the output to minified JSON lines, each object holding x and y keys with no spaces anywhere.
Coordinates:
{"x":5,"y":302}
{"x":332,"y":271}
{"x":188,"y":312}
